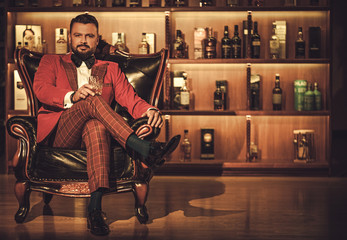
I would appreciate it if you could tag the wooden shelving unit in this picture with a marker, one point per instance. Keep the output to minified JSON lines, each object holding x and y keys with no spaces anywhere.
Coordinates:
{"x":272,"y":131}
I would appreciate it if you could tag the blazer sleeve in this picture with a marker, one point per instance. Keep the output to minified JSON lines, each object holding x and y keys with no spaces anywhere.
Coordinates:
{"x":126,"y":96}
{"x":46,"y":86}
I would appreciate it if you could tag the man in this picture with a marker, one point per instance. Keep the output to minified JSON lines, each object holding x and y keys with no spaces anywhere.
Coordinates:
{"x":73,"y":115}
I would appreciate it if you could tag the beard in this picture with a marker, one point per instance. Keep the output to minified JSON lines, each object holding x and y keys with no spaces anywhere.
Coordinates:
{"x":85,"y":54}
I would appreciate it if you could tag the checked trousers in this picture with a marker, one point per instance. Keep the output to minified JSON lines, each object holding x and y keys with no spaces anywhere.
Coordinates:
{"x":89,"y":123}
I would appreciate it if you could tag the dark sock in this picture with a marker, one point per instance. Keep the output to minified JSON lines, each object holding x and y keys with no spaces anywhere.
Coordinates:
{"x":95,"y":200}
{"x":139,"y":145}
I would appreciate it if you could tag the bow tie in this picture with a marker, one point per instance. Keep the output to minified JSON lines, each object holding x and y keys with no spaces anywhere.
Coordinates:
{"x":78,"y":62}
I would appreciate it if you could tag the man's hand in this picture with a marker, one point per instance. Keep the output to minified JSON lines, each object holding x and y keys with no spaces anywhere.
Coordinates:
{"x":154,"y":118}
{"x":83,"y":92}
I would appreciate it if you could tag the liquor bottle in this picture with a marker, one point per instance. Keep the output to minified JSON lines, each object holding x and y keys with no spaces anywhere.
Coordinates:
{"x":255,"y":44}
{"x":300,"y":45}
{"x":57,"y":3}
{"x":314,"y":2}
{"x":232,"y":3}
{"x":29,"y":38}
{"x":255,"y":92}
{"x":245,"y":38}
{"x":87,"y":3}
{"x":185,"y":94}
{"x":236,"y":43}
{"x":205,"y":3}
{"x":290,"y":3}
{"x":274,"y":44}
{"x":154,"y":3}
{"x":186,"y":147}
{"x":61,"y":41}
{"x":209,"y":45}
{"x":317,"y":97}
{"x":77,"y":3}
{"x":120,"y":45}
{"x":39,"y":47}
{"x":218,"y":99}
{"x":309,"y":99}
{"x":135,"y":3}
{"x":34,"y":3}
{"x":226,"y":44}
{"x":179,"y":46}
{"x":100,"y":3}
{"x":179,"y":3}
{"x":259,"y":3}
{"x":118,"y":3}
{"x":144,"y":46}
{"x":44,"y":47}
{"x":19,"y":3}
{"x":277,"y":94}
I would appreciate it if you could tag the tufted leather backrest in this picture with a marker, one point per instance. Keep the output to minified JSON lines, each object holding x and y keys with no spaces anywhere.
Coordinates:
{"x":144,"y":72}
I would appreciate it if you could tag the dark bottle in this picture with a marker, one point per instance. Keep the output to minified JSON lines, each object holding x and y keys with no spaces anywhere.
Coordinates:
{"x":218,"y":99}
{"x":100,"y":3}
{"x":317,"y":97}
{"x":179,"y":46}
{"x":179,"y":3}
{"x":135,"y":3}
{"x":186,"y":147}
{"x":255,"y":92}
{"x":300,"y":45}
{"x":19,"y":3}
{"x":118,"y":3}
{"x":205,"y":3}
{"x":259,"y":3}
{"x":87,"y":3}
{"x":226,"y":44}
{"x":314,"y":2}
{"x":209,"y":45}
{"x":34,"y":3}
{"x":255,"y":45}
{"x":236,"y":43}
{"x":232,"y":3}
{"x":277,"y":94}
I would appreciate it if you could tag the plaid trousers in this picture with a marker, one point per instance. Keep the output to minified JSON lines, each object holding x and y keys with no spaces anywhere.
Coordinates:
{"x":89,"y":123}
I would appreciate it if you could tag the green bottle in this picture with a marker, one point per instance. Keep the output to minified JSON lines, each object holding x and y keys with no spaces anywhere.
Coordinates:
{"x":317,"y":97}
{"x":309,"y":99}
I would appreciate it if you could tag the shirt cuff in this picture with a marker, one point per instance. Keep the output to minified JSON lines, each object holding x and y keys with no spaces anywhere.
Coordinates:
{"x":67,"y":100}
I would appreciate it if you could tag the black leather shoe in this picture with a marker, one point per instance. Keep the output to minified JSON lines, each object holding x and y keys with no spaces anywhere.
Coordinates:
{"x":160,"y":150}
{"x":96,"y":223}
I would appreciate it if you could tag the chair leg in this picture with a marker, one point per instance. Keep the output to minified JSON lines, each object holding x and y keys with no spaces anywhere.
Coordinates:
{"x":140,"y":191}
{"x":47,"y":197}
{"x":22,"y":192}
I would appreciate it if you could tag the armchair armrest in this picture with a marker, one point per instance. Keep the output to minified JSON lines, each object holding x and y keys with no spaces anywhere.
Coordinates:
{"x":143,"y":129}
{"x":23,"y":128}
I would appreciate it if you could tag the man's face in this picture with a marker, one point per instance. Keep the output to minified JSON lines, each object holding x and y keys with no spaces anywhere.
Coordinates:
{"x":83,"y":39}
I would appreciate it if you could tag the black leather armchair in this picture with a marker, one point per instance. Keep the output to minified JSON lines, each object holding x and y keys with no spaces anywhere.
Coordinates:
{"x":63,"y":172}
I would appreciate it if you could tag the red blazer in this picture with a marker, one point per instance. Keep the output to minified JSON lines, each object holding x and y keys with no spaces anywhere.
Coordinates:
{"x":57,"y":75}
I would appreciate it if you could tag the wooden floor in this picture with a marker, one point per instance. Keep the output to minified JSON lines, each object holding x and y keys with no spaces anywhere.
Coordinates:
{"x":198,"y":208}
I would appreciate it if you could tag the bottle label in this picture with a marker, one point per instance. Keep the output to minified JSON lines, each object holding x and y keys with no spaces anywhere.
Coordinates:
{"x":276,"y":98}
{"x":184,"y":98}
{"x":274,"y":45}
{"x":256,"y":43}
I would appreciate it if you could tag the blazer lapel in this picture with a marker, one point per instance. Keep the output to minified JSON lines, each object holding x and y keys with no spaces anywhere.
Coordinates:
{"x":71,"y":74}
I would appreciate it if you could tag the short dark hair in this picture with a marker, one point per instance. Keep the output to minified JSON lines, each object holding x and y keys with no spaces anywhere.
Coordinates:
{"x":85,"y":18}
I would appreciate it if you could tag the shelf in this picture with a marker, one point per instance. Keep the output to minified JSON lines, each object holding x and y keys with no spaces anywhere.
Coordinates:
{"x":87,"y":9}
{"x":250,"y":8}
{"x":220,"y":168}
{"x":247,"y":112}
{"x":163,"y":9}
{"x":247,"y":60}
{"x":17,"y":112}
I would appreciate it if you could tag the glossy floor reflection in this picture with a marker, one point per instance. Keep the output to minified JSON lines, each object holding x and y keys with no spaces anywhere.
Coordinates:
{"x":194,"y":208}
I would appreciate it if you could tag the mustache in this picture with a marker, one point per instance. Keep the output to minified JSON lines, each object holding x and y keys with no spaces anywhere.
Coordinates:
{"x":83,"y":45}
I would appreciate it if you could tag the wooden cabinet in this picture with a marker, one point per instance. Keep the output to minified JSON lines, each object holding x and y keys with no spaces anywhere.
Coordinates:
{"x":271,"y":131}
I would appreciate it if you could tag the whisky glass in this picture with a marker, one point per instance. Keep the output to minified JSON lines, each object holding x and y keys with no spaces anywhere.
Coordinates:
{"x":97,"y":84}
